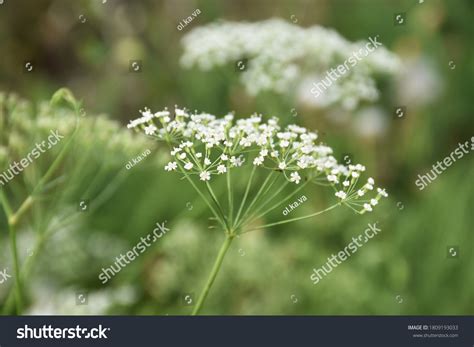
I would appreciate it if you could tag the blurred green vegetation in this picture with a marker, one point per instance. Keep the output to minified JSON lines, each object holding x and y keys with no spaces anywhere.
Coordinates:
{"x":409,"y":258}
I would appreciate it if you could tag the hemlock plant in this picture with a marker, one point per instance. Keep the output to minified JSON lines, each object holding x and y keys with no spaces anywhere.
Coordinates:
{"x":204,"y":147}
{"x":43,"y":197}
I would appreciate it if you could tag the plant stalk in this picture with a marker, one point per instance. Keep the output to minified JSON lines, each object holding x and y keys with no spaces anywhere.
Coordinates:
{"x":295,"y":219}
{"x":16,"y":269}
{"x":212,"y":276}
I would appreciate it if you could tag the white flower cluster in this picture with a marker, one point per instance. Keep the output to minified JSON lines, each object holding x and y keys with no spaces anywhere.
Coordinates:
{"x":281,"y":55}
{"x":207,"y":146}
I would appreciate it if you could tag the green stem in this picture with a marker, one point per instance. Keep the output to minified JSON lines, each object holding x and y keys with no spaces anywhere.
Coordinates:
{"x":26,"y":204}
{"x":267,"y":202}
{"x":255,"y":198}
{"x":6,"y":205}
{"x":213,"y":274}
{"x":214,"y":198}
{"x":251,"y":219}
{"x":230,"y":197}
{"x":16,"y":269}
{"x":12,"y":234}
{"x":295,"y":219}
{"x":247,"y":189}
{"x":24,"y":207}
{"x":204,"y":198}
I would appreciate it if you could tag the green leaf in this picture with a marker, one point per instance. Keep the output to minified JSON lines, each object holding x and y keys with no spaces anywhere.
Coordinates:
{"x":66,"y":95}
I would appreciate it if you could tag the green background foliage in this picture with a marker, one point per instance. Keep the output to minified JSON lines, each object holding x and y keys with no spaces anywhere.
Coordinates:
{"x":409,"y":257}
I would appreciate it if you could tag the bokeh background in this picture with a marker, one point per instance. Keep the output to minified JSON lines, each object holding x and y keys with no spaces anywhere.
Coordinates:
{"x":88,"y":45}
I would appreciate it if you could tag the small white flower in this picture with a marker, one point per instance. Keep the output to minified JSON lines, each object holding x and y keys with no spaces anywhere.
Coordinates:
{"x":171,"y":166}
{"x":202,"y":130}
{"x":332,"y":178}
{"x":258,"y":161}
{"x":161,"y":114}
{"x":150,"y":130}
{"x":302,"y":164}
{"x":132,"y":124}
{"x":175,"y":150}
{"x":205,"y":176}
{"x":147,"y":115}
{"x":246,"y":142}
{"x":180,"y":112}
{"x":295,"y":177}
{"x":236,"y":161}
{"x":328,"y":164}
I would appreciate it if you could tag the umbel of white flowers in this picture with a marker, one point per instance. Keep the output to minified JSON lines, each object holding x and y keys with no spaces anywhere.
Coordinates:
{"x":281,"y":56}
{"x":206,"y":146}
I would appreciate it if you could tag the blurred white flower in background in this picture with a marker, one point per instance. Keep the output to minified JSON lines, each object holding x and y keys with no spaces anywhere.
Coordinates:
{"x":371,"y":121}
{"x":284,"y":58}
{"x":307,"y":98}
{"x":68,"y":301}
{"x":419,"y":83}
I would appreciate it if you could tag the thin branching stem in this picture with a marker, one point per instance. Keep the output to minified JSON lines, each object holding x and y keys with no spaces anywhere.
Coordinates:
{"x":230,"y":196}
{"x":278,"y":191}
{"x":219,"y":207}
{"x":280,"y":201}
{"x":247,"y":189}
{"x":14,"y":250}
{"x":294,"y":219}
{"x":252,"y":203}
{"x":201,"y":194}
